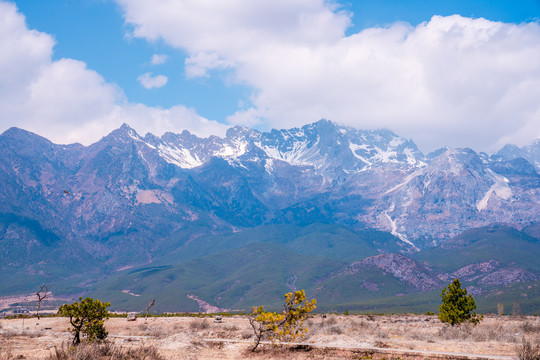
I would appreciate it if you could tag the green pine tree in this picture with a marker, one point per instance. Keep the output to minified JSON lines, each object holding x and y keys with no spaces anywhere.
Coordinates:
{"x":457,"y":307}
{"x":86,"y":316}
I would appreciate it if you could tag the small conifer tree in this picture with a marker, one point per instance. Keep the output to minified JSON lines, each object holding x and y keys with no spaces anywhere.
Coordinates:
{"x":457,"y":307}
{"x":86,"y":316}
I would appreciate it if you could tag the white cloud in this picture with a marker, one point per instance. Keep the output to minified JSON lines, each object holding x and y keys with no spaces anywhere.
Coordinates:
{"x":159,"y":59}
{"x":151,"y":82}
{"x":67,"y":102}
{"x":452,"y":80}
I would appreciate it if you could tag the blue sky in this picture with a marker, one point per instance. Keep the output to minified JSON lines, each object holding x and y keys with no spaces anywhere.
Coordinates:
{"x":232,"y":83}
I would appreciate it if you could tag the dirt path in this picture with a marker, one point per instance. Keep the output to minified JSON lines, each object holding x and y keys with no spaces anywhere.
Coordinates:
{"x":389,"y":351}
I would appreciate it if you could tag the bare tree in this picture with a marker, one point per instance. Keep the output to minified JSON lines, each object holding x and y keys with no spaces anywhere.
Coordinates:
{"x":42,"y":294}
{"x":516,"y":309}
{"x":150,"y":304}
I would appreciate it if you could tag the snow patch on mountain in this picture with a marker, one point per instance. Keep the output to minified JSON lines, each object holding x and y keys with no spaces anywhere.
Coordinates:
{"x":354,"y":147}
{"x":180,"y":157}
{"x":235,"y":149}
{"x":405,"y":181}
{"x":411,"y":160}
{"x":299,"y":154}
{"x":393,"y":228}
{"x":396,"y":141}
{"x":386,"y":156}
{"x":269,"y":166}
{"x":499,"y":188}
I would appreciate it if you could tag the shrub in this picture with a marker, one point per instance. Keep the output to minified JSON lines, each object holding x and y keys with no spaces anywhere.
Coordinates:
{"x":104,"y":350}
{"x":86,"y":316}
{"x":528,"y":351}
{"x":232,"y":328}
{"x":286,"y":326}
{"x":335,"y":330}
{"x":529,"y":327}
{"x":457,"y":307}
{"x":199,"y":324}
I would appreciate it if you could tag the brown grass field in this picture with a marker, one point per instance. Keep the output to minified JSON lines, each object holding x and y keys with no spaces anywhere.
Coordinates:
{"x":330,"y":337}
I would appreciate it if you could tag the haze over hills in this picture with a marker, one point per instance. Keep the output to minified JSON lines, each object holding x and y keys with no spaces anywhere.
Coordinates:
{"x":361,"y":215}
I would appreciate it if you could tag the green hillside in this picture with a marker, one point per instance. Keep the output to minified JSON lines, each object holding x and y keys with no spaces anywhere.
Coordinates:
{"x":257,"y":273}
{"x":504,"y":244}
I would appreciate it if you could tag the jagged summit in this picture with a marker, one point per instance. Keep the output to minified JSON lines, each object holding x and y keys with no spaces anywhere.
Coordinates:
{"x":323,"y":144}
{"x":318,"y":172}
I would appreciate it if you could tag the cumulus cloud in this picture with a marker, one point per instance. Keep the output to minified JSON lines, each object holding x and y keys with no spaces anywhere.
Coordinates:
{"x":67,"y":102}
{"x":449,"y":81}
{"x":151,"y":82}
{"x":159,"y":59}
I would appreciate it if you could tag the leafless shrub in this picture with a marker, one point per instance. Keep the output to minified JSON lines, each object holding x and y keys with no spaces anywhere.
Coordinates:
{"x":419,"y":334}
{"x":157,"y":332}
{"x":196,"y":343}
{"x":335,"y":330}
{"x":528,"y":351}
{"x":448,"y":332}
{"x":143,"y":326}
{"x":102,"y":351}
{"x":516,"y":309}
{"x":215,"y":344}
{"x":480,"y":333}
{"x":380,"y":344}
{"x":16,"y":333}
{"x":232,"y":328}
{"x":530,"y":328}
{"x":331,"y":321}
{"x":277,"y":352}
{"x":199,"y":325}
{"x":8,"y":334}
{"x":247,"y":335}
{"x":5,"y":352}
{"x":363,"y":325}
{"x":496,"y":332}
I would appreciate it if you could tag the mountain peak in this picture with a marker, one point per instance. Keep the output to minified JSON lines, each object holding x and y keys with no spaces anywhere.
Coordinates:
{"x":18,"y":132}
{"x":241,"y":131}
{"x":17,"y":135}
{"x":323,"y":124}
{"x":124,"y":132}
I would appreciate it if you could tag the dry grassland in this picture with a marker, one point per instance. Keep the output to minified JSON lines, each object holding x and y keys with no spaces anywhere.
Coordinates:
{"x":186,"y":338}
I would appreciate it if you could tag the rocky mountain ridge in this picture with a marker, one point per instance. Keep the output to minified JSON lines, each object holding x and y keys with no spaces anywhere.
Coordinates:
{"x":130,"y":200}
{"x":321,"y":172}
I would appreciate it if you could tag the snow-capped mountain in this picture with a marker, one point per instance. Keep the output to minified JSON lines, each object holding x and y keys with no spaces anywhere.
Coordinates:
{"x":126,"y":188}
{"x":321,"y":145}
